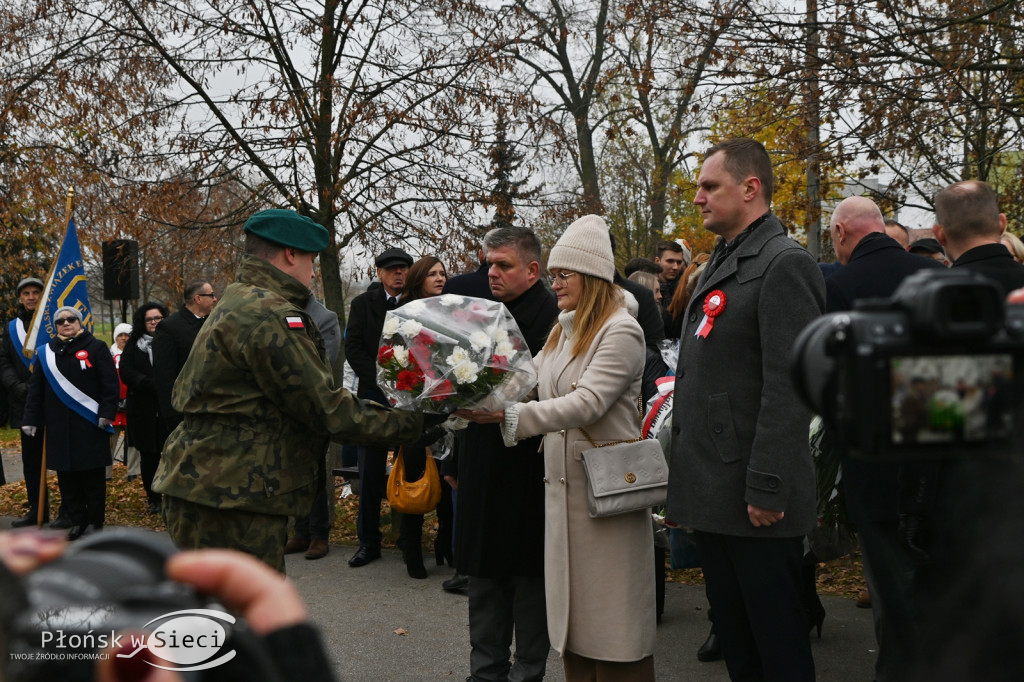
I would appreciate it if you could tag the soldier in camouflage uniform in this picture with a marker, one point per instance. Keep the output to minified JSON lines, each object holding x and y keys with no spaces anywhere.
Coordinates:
{"x":259,"y":403}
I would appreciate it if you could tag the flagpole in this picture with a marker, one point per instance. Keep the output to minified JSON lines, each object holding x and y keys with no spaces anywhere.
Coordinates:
{"x":70,"y":208}
{"x":42,"y":502}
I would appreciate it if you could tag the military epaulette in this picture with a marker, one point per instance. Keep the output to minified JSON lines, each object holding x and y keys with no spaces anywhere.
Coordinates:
{"x":294,"y":322}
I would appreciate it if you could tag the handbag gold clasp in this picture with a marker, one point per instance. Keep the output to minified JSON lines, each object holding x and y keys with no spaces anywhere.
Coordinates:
{"x":630,"y":477}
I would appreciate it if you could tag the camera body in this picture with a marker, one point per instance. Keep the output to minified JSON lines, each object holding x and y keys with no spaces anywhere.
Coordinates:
{"x":58,"y":619}
{"x":936,"y":370}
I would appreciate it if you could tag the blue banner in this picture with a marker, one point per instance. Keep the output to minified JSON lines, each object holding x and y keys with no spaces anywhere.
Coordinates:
{"x":64,"y":286}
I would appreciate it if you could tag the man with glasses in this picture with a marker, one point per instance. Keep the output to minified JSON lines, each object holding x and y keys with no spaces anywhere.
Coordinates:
{"x":15,"y":371}
{"x":172,"y":342}
{"x":499,"y":525}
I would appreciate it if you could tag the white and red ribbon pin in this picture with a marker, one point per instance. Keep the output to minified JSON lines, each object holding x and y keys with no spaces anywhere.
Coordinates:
{"x":83,"y":358}
{"x":714,"y":304}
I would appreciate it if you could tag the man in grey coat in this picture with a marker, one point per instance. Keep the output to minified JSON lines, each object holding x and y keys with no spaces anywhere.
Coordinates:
{"x":741,"y":471}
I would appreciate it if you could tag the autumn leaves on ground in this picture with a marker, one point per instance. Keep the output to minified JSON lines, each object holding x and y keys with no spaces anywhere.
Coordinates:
{"x":126,"y":506}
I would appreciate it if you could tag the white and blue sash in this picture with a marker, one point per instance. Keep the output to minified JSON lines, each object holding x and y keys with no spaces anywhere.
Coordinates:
{"x":16,"y":332}
{"x":69,"y":394}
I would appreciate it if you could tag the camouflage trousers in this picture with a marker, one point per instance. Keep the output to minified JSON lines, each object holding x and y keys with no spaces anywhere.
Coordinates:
{"x":196,"y":526}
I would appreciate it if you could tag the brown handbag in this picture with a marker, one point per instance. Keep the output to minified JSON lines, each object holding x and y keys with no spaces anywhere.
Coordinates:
{"x":413,"y":497}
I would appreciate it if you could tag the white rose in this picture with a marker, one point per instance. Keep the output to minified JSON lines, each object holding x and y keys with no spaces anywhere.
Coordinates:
{"x":414,"y":308}
{"x":466,"y":373}
{"x":501,"y":335}
{"x":410,"y":328}
{"x":479,"y":341}
{"x":451,"y":300}
{"x":401,"y":356}
{"x":391,"y":325}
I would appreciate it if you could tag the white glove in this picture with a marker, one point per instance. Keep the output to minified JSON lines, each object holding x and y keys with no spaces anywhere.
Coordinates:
{"x":104,"y":422}
{"x":28,"y":430}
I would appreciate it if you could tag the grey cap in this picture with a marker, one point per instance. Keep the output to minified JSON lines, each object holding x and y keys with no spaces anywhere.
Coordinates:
{"x":28,"y":281}
{"x":68,"y":309}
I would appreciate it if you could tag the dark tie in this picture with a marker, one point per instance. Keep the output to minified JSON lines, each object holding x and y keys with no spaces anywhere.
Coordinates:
{"x":392,"y":302}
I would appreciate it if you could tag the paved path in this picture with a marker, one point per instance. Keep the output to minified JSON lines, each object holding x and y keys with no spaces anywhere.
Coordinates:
{"x":361,"y":612}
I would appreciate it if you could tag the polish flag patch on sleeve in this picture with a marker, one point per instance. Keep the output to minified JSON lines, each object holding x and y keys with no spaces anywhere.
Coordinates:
{"x":294,"y":322}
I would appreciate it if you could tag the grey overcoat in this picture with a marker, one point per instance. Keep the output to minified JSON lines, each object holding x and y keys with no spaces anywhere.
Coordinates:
{"x":597,"y":572}
{"x":739,"y":433}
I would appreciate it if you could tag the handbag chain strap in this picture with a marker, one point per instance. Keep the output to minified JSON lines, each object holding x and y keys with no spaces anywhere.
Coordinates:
{"x":640,"y":413}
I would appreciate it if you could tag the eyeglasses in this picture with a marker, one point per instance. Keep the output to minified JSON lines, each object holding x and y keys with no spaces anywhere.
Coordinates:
{"x":65,"y":320}
{"x":561,"y":277}
{"x":154,"y":319}
{"x":210,"y":295}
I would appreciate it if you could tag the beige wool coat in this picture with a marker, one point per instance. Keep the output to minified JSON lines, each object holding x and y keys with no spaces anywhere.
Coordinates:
{"x":597,"y":572}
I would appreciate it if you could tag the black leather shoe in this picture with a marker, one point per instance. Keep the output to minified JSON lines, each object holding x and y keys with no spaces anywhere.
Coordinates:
{"x":363,"y":556}
{"x":457,"y":583}
{"x":81,"y":531}
{"x":710,"y":650}
{"x":61,"y":523}
{"x":25,"y":521}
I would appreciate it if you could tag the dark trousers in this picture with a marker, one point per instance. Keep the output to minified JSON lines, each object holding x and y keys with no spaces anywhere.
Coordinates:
{"x":148,"y":464}
{"x":32,"y":464}
{"x":85,"y":495}
{"x":316,"y":525}
{"x":498,"y":609}
{"x":753,"y":586}
{"x":890,"y":574}
{"x":373,"y":479}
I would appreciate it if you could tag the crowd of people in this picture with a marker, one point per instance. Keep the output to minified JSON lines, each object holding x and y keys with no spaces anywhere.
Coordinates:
{"x":231,"y":403}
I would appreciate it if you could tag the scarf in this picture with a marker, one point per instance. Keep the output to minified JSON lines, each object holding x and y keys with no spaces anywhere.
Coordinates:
{"x":145,"y":344}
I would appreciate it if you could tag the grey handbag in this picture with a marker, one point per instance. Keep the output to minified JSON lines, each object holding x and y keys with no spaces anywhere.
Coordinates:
{"x":624,"y":476}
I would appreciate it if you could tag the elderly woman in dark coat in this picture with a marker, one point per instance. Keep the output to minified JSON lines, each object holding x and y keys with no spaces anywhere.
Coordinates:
{"x":143,"y":431}
{"x":72,"y":396}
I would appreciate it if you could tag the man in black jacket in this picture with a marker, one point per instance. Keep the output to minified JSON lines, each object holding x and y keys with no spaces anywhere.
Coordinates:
{"x":499,"y":518}
{"x":874,"y":265}
{"x":172,"y":342}
{"x":968,"y":224}
{"x":15,"y":371}
{"x":362,"y":339}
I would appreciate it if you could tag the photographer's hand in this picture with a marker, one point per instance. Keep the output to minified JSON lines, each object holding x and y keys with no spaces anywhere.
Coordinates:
{"x":763,"y":517}
{"x":24,"y":550}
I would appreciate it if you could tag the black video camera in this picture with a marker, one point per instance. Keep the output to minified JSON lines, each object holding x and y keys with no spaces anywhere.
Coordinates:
{"x":57,"y":620}
{"x":936,"y":370}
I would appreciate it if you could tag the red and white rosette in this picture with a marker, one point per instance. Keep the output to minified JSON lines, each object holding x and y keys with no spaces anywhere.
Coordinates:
{"x":714,"y":304}
{"x":83,"y":358}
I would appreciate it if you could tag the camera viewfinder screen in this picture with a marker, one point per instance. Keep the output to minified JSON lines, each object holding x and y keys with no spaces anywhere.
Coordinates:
{"x":951,"y":398}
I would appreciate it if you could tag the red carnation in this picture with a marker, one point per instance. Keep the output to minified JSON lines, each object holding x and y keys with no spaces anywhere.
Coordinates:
{"x":442,"y":390}
{"x":384,"y":354}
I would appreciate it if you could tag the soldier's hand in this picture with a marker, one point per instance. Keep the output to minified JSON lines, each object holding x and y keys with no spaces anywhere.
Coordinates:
{"x":432,"y":420}
{"x":429,"y":437}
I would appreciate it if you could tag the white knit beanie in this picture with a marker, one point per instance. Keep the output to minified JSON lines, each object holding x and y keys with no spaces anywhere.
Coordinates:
{"x":585,"y":247}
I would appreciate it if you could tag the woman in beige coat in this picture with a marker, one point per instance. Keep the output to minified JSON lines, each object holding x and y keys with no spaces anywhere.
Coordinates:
{"x":598,"y":578}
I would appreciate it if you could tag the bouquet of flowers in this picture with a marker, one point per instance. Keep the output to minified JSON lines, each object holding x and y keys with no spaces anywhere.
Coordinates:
{"x":447,"y":352}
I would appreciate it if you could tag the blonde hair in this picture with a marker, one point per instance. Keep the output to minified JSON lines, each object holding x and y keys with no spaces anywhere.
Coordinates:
{"x":646,"y":279}
{"x":687,"y":283}
{"x":599,"y":299}
{"x":1015,"y":244}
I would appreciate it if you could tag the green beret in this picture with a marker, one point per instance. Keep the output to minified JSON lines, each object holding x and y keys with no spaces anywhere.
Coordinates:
{"x":288,"y":228}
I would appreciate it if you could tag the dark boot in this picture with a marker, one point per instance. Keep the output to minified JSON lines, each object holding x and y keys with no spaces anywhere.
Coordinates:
{"x":412,"y":529}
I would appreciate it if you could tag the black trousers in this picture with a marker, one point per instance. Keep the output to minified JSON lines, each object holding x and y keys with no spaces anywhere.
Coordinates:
{"x":31,"y":464}
{"x":149,"y":462}
{"x":753,"y":586}
{"x":85,"y":495}
{"x":373,"y":481}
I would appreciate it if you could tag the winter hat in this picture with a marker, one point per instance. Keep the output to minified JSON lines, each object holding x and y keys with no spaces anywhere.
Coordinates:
{"x":28,"y":281}
{"x":123,"y":328}
{"x":68,"y":309}
{"x":585,"y":247}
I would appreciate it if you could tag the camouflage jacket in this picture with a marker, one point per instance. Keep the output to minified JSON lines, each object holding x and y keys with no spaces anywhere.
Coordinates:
{"x":259,"y":403}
